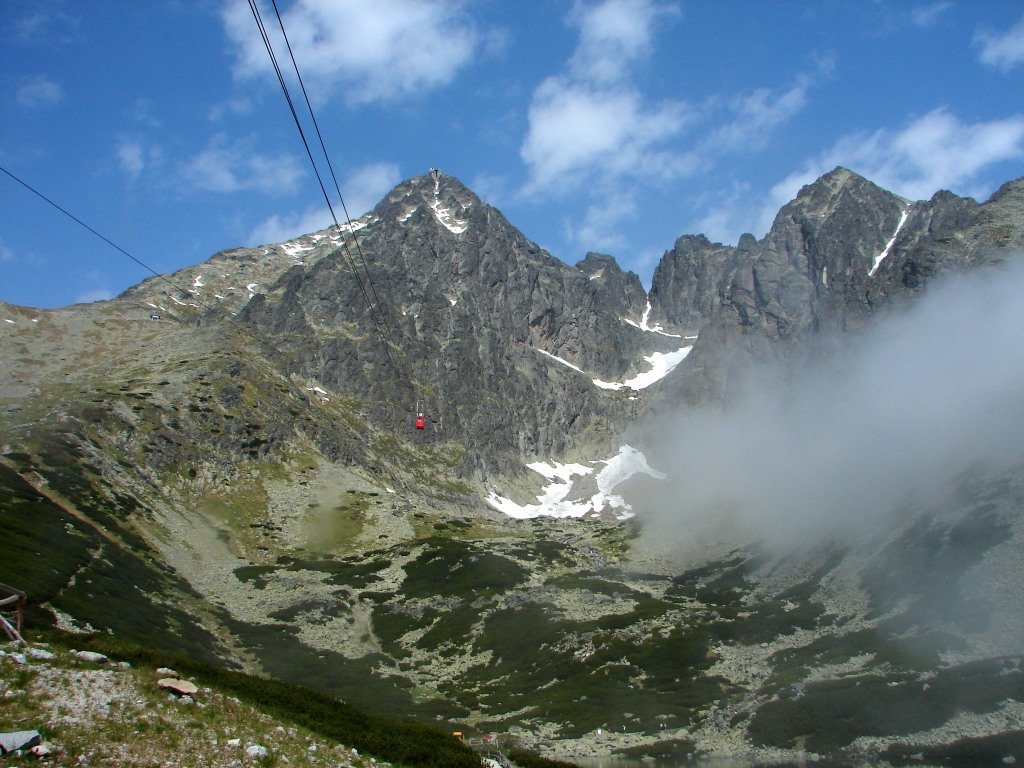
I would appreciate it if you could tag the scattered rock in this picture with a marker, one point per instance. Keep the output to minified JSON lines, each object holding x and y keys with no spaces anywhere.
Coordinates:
{"x":256,"y":751}
{"x":91,"y":656}
{"x":42,"y":750}
{"x":40,"y":654}
{"x":234,"y":742}
{"x":180,"y":687}
{"x":15,"y":740}
{"x":167,"y":672}
{"x":18,"y":658}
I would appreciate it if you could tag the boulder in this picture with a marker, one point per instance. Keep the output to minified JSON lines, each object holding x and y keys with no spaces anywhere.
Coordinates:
{"x":91,"y":656}
{"x":180,"y":687}
{"x":15,"y":740}
{"x":256,"y":751}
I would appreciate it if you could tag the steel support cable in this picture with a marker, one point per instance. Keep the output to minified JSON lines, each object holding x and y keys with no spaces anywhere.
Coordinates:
{"x":334,"y":178}
{"x":302,"y":134}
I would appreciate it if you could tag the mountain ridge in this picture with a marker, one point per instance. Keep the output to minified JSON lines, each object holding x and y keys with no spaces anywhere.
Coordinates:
{"x":266,"y":493}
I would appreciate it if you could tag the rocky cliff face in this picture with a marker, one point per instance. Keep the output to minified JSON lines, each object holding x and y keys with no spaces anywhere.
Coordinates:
{"x":840,"y":252}
{"x":467,"y":314}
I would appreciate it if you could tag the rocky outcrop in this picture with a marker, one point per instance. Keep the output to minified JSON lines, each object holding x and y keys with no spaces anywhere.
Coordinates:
{"x":440,"y":301}
{"x":840,"y":252}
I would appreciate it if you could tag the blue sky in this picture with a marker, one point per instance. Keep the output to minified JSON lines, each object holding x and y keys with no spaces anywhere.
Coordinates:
{"x":612,"y":125}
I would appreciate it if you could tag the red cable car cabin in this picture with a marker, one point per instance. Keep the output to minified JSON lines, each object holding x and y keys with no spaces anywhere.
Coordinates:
{"x":421,"y":421}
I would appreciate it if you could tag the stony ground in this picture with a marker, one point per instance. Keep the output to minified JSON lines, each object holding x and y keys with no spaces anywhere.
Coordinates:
{"x":109,"y":714}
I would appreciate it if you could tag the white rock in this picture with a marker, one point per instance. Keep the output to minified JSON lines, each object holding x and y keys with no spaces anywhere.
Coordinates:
{"x":234,"y":742}
{"x":256,"y":751}
{"x":42,"y":750}
{"x":18,"y":658}
{"x":91,"y":656}
{"x":166,"y":672}
{"x":40,"y":654}
{"x":180,"y":687}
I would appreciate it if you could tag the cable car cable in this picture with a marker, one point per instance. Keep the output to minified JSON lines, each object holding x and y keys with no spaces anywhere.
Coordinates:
{"x":330,"y":167}
{"x":302,"y":134}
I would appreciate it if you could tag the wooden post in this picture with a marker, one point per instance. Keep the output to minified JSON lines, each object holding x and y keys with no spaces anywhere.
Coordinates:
{"x":17,"y":598}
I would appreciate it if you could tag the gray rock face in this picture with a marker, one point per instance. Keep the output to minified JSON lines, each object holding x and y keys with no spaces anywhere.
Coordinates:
{"x":467,"y":307}
{"x":434,"y":300}
{"x":840,"y":252}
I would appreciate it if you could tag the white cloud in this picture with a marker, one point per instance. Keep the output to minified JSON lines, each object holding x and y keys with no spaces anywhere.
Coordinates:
{"x":97,"y":294}
{"x":591,"y":122}
{"x":362,"y":189}
{"x":365,"y":186}
{"x":6,"y":254}
{"x":1002,"y":50}
{"x":241,"y":105}
{"x":576,"y":132}
{"x":365,"y":50}
{"x":927,"y":15}
{"x":613,"y":34}
{"x":235,"y":167}
{"x":131,"y":157}
{"x":599,"y":228}
{"x":134,"y":156}
{"x":755,"y":115}
{"x":277,"y":229}
{"x":38,"y":92}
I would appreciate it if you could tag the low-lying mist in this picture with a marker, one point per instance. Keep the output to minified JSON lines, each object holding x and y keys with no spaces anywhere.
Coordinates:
{"x":830,"y":450}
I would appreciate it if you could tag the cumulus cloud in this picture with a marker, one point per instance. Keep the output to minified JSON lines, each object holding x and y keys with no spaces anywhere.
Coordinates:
{"x":592,"y":130}
{"x":38,"y":92}
{"x":599,"y":228}
{"x":577,"y":131}
{"x":135,"y":156}
{"x":363,"y":50}
{"x":755,"y":115}
{"x":591,"y":125}
{"x":278,"y":228}
{"x":1002,"y":50}
{"x":833,"y":448}
{"x":613,"y":35}
{"x":235,"y":167}
{"x":362,"y":189}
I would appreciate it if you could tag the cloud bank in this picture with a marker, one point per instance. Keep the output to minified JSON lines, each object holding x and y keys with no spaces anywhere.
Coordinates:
{"x":931,"y":391}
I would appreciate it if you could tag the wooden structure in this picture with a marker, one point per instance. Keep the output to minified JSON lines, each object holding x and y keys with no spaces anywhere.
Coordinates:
{"x":12,"y":600}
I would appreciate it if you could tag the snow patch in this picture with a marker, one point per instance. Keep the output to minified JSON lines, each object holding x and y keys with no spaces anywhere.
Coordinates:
{"x":8,"y":321}
{"x":662,"y":364}
{"x":562,"y":361}
{"x":294,"y":248}
{"x":408,"y":214}
{"x":251,"y":288}
{"x":553,"y":501}
{"x":888,"y":246}
{"x":644,"y":326}
{"x":444,"y":215}
{"x":198,"y":282}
